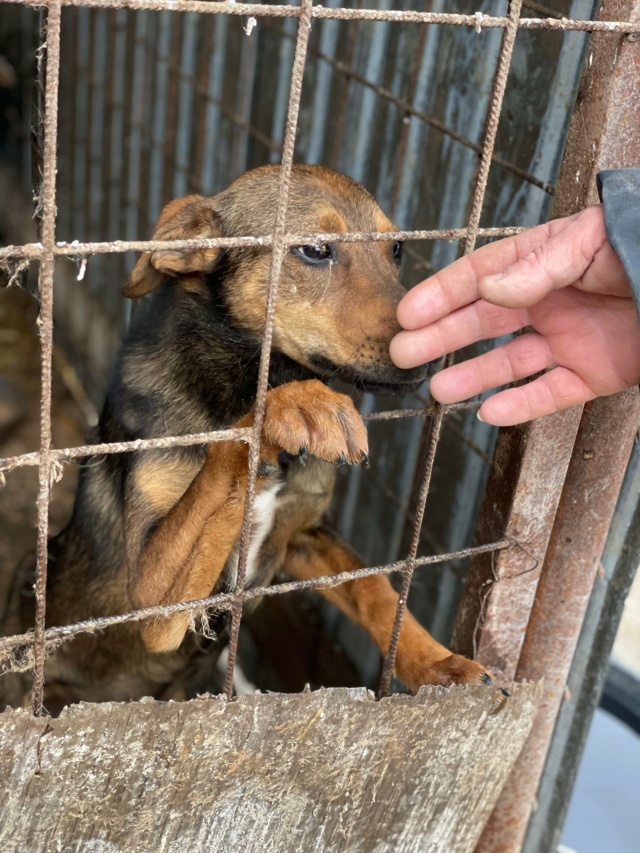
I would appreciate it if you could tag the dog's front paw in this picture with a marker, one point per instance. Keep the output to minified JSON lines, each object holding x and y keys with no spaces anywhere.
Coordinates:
{"x":453,"y":669}
{"x":307,"y":417}
{"x":457,"y":669}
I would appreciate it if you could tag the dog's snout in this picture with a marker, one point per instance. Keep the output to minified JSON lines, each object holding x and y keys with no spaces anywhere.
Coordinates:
{"x":417,"y":375}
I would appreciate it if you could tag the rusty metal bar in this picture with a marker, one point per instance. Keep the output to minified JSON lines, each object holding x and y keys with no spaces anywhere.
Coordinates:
{"x":78,"y":128}
{"x":200,"y":87}
{"x":491,"y":129}
{"x":589,"y":669}
{"x":45,"y":320}
{"x":597,"y":467}
{"x":495,"y":608}
{"x":126,"y":175}
{"x":418,"y":262}
{"x":540,"y":9}
{"x":341,"y":107}
{"x":478,"y":21}
{"x":9,"y":463}
{"x":225,"y":601}
{"x":109,"y":94}
{"x":76,"y":249}
{"x":277,"y":257}
{"x":407,"y":107}
{"x":97,"y":174}
{"x":529,"y":467}
{"x":243,"y":102}
{"x":604,"y":133}
{"x":434,"y":426}
{"x":89,"y":84}
{"x":170,"y":129}
{"x":183,"y":117}
{"x":150,"y":89}
{"x":463,"y":438}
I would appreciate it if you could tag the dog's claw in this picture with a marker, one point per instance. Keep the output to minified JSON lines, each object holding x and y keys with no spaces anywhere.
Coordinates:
{"x":365,"y":460}
{"x":485,"y":678}
{"x":342,"y":460}
{"x":303,"y":455}
{"x":505,"y":692}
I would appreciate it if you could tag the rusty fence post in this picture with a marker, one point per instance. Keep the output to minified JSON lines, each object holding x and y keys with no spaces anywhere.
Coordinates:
{"x":588,"y":501}
{"x":523,"y":492}
{"x":589,"y":668}
{"x":604,"y":133}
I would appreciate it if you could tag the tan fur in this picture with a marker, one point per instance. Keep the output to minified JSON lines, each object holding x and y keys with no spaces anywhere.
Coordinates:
{"x":371,"y":602}
{"x":184,"y":556}
{"x":181,"y":219}
{"x":162,"y":483}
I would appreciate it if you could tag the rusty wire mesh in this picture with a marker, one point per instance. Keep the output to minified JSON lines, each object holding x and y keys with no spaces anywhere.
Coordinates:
{"x":49,"y":460}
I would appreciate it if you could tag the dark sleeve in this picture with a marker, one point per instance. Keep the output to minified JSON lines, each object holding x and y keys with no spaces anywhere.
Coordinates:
{"x":619,"y":191}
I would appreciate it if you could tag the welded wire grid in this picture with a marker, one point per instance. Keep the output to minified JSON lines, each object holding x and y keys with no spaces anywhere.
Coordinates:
{"x":49,"y":460}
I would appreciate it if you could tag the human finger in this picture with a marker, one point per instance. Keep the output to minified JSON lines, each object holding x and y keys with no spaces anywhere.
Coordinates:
{"x":470,"y":324}
{"x":556,"y":390}
{"x":555,"y":263}
{"x":457,"y":285}
{"x":517,"y":359}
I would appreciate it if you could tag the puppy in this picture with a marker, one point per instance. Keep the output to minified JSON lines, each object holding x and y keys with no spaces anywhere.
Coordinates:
{"x":162,"y":526}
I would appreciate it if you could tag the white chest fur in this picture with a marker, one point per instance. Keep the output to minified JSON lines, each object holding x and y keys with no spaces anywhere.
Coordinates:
{"x":264,"y":510}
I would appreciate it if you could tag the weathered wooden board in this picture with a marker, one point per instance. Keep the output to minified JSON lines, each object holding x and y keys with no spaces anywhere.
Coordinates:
{"x":331,"y":770}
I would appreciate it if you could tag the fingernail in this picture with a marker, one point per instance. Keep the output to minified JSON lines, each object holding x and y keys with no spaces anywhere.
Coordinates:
{"x":480,"y":418}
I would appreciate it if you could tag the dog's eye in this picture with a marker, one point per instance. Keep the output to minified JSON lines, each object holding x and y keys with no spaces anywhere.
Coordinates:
{"x":397,"y":251}
{"x":316,"y":254}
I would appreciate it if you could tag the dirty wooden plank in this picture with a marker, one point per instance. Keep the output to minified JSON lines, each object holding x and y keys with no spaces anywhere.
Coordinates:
{"x":331,"y":770}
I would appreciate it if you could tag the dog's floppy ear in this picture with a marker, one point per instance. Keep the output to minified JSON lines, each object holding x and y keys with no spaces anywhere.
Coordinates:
{"x":182,"y":219}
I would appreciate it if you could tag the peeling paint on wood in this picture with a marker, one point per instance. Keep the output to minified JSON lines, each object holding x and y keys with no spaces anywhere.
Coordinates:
{"x":332,"y":770}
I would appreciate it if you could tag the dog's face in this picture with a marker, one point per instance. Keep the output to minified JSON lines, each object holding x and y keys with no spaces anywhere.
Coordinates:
{"x":336,"y":305}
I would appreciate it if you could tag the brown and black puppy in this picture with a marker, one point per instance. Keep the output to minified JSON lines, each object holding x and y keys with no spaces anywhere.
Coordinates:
{"x":162,"y":526}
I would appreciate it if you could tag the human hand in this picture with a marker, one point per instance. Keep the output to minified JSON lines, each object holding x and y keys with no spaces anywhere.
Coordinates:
{"x":564,"y":281}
